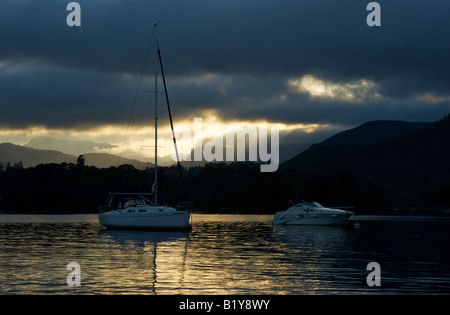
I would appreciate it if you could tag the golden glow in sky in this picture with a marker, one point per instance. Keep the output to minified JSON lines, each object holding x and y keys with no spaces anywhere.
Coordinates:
{"x":356,"y":91}
{"x":138,"y":142}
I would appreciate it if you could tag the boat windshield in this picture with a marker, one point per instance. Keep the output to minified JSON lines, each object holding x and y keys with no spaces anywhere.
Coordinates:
{"x":130,"y":202}
{"x":310,"y":204}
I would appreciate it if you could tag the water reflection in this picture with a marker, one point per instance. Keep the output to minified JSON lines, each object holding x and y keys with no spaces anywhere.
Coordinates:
{"x":224,"y":255}
{"x":319,"y":259}
{"x":144,"y":261}
{"x":217,"y":257}
{"x":230,"y":258}
{"x":34,"y":255}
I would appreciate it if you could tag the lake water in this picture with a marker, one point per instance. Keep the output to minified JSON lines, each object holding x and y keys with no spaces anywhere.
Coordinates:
{"x":224,"y":254}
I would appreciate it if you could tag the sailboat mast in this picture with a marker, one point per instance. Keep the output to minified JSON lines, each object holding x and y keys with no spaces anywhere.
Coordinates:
{"x":156,"y":116}
{"x":171,"y":122}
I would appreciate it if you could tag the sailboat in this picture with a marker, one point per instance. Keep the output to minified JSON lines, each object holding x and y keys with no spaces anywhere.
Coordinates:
{"x":134,"y":210}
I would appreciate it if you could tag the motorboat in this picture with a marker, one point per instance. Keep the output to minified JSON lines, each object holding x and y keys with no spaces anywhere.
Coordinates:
{"x":135,"y":210}
{"x":311,"y":213}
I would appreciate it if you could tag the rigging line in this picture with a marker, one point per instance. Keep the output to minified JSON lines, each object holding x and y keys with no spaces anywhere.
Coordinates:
{"x":137,"y":90}
{"x":171,"y":122}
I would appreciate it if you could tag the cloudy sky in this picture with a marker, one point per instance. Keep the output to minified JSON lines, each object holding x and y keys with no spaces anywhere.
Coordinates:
{"x":311,"y":67}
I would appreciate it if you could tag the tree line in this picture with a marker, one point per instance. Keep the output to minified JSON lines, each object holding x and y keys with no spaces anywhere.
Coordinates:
{"x":214,"y":188}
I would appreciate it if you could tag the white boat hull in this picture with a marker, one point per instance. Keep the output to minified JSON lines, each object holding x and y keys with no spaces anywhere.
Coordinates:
{"x":150,"y":220}
{"x":311,"y":213}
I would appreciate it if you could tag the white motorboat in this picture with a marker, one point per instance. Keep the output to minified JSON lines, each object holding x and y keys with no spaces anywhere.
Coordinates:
{"x":311,"y":213}
{"x":136,"y":210}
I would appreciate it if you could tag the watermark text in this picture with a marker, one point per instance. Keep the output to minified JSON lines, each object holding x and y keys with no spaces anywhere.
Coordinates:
{"x":211,"y":145}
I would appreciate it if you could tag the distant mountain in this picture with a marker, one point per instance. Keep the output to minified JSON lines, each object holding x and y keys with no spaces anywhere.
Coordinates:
{"x":29,"y":157}
{"x":408,"y":158}
{"x":11,"y":153}
{"x":374,"y":132}
{"x":354,"y":148}
{"x":72,"y":147}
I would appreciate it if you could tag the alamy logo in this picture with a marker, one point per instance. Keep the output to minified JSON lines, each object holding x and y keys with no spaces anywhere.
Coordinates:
{"x":231,"y":146}
{"x":373,"y":278}
{"x":74,"y":277}
{"x":74,"y":17}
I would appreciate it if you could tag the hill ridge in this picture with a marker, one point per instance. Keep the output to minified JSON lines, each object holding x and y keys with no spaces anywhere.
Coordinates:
{"x":30,"y":157}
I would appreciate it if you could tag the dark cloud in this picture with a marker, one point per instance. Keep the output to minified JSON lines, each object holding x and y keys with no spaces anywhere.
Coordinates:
{"x":61,"y":97}
{"x":235,"y":57}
